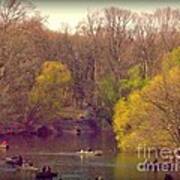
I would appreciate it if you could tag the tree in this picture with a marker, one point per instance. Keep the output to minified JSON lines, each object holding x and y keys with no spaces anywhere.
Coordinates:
{"x":171,"y":60}
{"x":151,"y":115}
{"x":134,"y":81}
{"x":18,"y":60}
{"x":163,"y":96}
{"x":108,"y":94}
{"x":50,"y":89}
{"x":13,"y":12}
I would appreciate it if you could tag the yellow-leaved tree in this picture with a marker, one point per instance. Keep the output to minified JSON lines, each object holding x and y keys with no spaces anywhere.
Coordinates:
{"x":151,"y":115}
{"x":50,"y":91}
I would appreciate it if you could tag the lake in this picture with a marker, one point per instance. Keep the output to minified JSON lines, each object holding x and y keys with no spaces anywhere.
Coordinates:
{"x":58,"y":153}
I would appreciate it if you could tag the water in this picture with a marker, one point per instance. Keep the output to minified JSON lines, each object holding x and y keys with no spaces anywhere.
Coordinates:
{"x":58,"y":153}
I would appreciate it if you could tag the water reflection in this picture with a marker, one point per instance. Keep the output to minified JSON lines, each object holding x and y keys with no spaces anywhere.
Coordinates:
{"x":126,"y":169}
{"x":58,"y":152}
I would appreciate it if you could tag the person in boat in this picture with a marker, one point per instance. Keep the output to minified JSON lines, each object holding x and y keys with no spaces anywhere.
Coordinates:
{"x":5,"y":144}
{"x":48,"y":170}
{"x":78,"y":132}
{"x":90,"y":150}
{"x":16,"y":160}
{"x":44,"y":169}
{"x":19,"y":161}
{"x":46,"y":173}
{"x":31,"y":164}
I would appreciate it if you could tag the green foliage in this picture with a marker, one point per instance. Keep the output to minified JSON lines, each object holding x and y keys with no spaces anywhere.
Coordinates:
{"x":109,"y":87}
{"x":50,"y":89}
{"x":108,"y":94}
{"x":108,"y":90}
{"x":134,"y":80}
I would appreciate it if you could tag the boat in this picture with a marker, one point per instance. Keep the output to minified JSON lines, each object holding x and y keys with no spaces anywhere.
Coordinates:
{"x":90,"y":153}
{"x":46,"y":175}
{"x":12,"y":161}
{"x":18,"y":168}
{"x":98,"y":153}
{"x":27,"y":167}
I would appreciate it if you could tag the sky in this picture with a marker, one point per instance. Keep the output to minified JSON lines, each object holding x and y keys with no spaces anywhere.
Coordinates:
{"x":59,"y":12}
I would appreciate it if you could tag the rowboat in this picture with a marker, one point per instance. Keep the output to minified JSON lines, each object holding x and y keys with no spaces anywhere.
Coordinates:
{"x":27,"y":167}
{"x":12,"y":161}
{"x":90,"y":153}
{"x":46,"y":175}
{"x":16,"y":168}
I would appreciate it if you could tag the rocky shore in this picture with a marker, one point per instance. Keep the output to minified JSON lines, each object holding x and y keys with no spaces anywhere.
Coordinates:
{"x":54,"y":127}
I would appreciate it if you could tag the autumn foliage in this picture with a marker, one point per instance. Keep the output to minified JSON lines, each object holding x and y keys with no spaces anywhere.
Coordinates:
{"x":151,"y":115}
{"x":50,"y":91}
{"x":114,"y":56}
